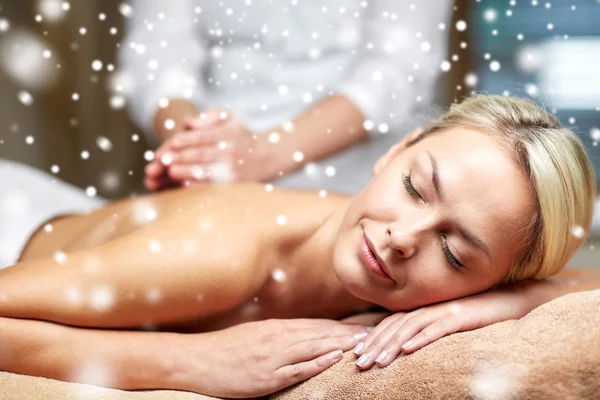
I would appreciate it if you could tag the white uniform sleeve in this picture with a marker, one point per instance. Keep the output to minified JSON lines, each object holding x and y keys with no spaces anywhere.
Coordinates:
{"x":398,"y":59}
{"x":162,"y":56}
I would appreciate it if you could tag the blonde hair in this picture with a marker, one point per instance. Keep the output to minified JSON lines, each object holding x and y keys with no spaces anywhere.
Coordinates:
{"x":556,"y":162}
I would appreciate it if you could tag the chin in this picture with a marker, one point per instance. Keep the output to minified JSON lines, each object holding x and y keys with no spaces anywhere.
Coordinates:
{"x":353,"y":276}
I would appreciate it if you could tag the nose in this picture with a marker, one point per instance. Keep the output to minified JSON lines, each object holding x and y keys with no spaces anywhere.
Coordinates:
{"x":406,"y":236}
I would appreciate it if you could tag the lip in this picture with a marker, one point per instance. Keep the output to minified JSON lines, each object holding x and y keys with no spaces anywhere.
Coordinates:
{"x":370,"y":258}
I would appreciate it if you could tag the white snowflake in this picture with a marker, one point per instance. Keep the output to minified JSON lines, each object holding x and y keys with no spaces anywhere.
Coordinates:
{"x":91,"y":191}
{"x":104,"y":143}
{"x":155,"y":246}
{"x":92,"y":372}
{"x":153,"y":295}
{"x":495,"y":381}
{"x":278,"y":275}
{"x":97,"y":65}
{"x":490,"y":15}
{"x":25,"y":97}
{"x":102,"y":298}
{"x":220,"y":172}
{"x":274,"y":137}
{"x":148,"y":155}
{"x":52,"y":10}
{"x":578,"y":231}
{"x":73,"y":296}
{"x":59,"y":257}
{"x":4,"y":25}
{"x":117,"y":102}
{"x":126,"y":10}
{"x":471,"y":79}
{"x":143,"y":212}
{"x":298,"y":156}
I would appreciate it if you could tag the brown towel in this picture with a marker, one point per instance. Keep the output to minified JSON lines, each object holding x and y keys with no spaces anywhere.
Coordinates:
{"x":551,"y":353}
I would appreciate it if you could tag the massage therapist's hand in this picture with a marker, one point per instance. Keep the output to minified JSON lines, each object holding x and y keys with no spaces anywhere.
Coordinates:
{"x":408,"y":332}
{"x":212,"y":138}
{"x":257,"y":358}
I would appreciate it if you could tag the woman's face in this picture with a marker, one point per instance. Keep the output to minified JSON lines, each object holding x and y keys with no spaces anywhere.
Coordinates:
{"x":437,"y":235}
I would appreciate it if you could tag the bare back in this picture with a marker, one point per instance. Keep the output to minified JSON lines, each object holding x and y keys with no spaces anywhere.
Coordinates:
{"x":245,"y":231}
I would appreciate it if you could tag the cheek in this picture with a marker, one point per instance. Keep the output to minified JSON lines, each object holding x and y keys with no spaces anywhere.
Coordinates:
{"x":428,"y":282}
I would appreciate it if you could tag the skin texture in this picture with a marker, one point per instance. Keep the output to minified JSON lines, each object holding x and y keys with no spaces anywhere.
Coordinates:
{"x":213,"y":259}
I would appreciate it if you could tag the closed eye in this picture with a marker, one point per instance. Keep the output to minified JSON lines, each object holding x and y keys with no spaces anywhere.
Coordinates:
{"x":410,"y":188}
{"x":453,"y":261}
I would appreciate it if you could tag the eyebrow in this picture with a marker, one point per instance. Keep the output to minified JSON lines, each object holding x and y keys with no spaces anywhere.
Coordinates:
{"x":437,"y":185}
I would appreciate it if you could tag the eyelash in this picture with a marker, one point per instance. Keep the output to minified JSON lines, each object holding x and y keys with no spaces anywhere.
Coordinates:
{"x":413,"y":193}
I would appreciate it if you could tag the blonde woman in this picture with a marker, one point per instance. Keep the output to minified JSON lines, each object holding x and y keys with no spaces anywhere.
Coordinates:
{"x":494,"y":195}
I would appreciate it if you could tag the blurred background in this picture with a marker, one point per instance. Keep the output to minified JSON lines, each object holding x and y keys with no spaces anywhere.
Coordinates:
{"x":62,"y":111}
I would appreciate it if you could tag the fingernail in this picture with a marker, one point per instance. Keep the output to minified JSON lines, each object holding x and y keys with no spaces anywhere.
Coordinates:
{"x":407,"y":345}
{"x":335,"y":355}
{"x":370,"y":328}
{"x":381,"y":357}
{"x":362,"y":360}
{"x":359,"y":348}
{"x":360,"y":335}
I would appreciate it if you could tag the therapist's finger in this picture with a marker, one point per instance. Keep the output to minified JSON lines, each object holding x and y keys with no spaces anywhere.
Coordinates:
{"x":205,"y":118}
{"x":183,"y":172}
{"x":198,"y":138}
{"x":198,"y":155}
{"x":161,"y":183}
{"x":154,"y":169}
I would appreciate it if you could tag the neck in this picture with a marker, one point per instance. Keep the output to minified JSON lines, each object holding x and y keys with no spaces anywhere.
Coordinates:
{"x":316,"y":257}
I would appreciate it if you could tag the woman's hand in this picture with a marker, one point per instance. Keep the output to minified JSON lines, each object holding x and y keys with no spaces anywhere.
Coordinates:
{"x":257,"y":358}
{"x":408,"y":332}
{"x":215,"y":146}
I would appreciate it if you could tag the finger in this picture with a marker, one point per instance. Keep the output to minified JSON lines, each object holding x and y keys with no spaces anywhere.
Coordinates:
{"x":160,"y":183}
{"x":205,"y":118}
{"x":212,"y":134}
{"x":401,"y":341}
{"x":311,"y":349}
{"x":395,"y":334}
{"x":292,"y":374}
{"x":197,"y":155}
{"x":184,"y":172}
{"x":195,"y":137}
{"x":154,"y":169}
{"x":375,"y":332}
{"x":438,"y":329}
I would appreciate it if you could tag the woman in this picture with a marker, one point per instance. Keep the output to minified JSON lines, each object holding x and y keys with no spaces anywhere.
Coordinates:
{"x":487,"y":196}
{"x":297,"y":81}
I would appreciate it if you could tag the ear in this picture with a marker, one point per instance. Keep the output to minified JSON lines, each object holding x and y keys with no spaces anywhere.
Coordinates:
{"x":395,"y":150}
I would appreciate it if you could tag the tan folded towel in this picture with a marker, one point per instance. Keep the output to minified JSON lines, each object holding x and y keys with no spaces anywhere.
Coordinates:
{"x":21,"y":387}
{"x":551,"y":353}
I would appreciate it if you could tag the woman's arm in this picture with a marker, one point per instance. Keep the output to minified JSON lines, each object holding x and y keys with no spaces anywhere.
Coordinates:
{"x":409,"y":332}
{"x":167,"y":272}
{"x":116,"y":359}
{"x":569,"y":280}
{"x":243,"y":361}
